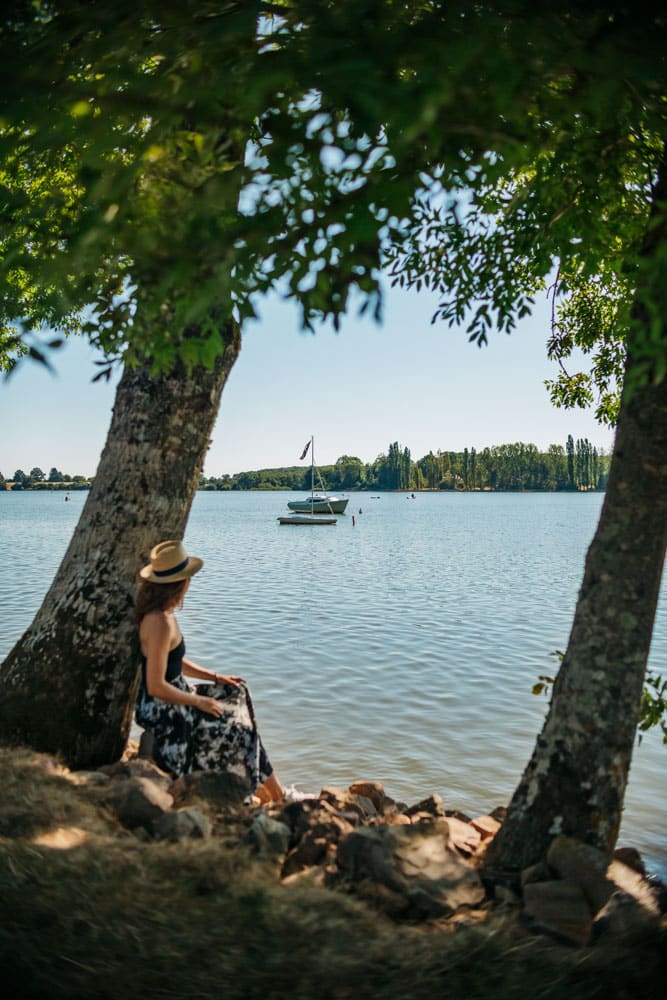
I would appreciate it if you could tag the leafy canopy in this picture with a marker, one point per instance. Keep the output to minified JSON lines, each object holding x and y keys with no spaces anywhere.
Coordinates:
{"x":527,"y":145}
{"x":162,"y":164}
{"x":123,"y":130}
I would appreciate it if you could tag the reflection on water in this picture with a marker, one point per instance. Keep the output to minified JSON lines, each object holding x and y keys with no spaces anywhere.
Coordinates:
{"x":402,"y":648}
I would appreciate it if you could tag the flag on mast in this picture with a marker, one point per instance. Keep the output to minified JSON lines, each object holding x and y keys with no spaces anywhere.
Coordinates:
{"x":304,"y":452}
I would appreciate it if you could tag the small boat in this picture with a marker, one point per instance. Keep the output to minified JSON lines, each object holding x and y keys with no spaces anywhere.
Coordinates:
{"x":306,"y":519}
{"x":317,"y":503}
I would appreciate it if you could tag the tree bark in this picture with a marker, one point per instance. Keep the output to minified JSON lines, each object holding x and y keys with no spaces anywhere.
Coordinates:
{"x":576,"y":779}
{"x":69,"y":684}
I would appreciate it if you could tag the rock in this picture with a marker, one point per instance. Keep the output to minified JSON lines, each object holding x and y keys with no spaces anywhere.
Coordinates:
{"x":559,"y":908}
{"x":539,"y":872}
{"x":355,"y":817}
{"x":295,"y":815}
{"x":303,"y":816}
{"x":457,"y":814}
{"x":315,"y":833}
{"x":421,"y":817}
{"x":138,"y":802}
{"x":310,"y":851}
{"x":367,"y":805}
{"x":340,"y":798}
{"x":487,"y":826}
{"x":183,"y":824}
{"x":462,"y":835}
{"x":332,"y":828}
{"x":390,"y":807}
{"x":660,"y":891}
{"x":269,"y":837}
{"x":372,"y":790}
{"x":581,"y":863}
{"x":631,"y":857}
{"x":586,"y":865}
{"x":620,"y":915}
{"x":344,"y":802}
{"x":136,"y":768}
{"x":368,"y":853}
{"x":398,"y":819}
{"x":632,"y":883}
{"x":220,"y":788}
{"x":415,"y":861}
{"x":432,"y":806}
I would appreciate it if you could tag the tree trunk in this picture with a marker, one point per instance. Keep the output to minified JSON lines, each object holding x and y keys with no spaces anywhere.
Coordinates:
{"x":576,"y":779}
{"x":69,"y":684}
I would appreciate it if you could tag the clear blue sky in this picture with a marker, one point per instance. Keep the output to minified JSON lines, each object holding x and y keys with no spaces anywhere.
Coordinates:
{"x":357,"y":390}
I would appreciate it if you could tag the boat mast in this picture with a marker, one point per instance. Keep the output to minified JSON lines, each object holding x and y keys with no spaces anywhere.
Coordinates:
{"x":312,"y":471}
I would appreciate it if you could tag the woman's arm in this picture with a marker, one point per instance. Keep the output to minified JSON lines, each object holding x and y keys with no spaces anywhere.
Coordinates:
{"x":155,"y":639}
{"x":191,"y":669}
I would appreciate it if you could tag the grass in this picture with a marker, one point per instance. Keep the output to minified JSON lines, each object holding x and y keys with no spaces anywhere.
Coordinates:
{"x":118,"y":916}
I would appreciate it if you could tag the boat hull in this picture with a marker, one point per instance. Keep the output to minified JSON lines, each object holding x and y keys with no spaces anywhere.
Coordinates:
{"x":305,"y":519}
{"x":319,"y":505}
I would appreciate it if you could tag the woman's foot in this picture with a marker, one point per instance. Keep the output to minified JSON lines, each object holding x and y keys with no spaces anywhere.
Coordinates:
{"x":293,"y":794}
{"x":271,"y":792}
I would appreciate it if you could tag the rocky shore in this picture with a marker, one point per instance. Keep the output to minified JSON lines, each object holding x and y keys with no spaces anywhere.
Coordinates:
{"x":418,"y":862}
{"x":417,"y":867}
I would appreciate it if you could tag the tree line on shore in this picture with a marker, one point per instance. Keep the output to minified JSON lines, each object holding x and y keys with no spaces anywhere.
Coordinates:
{"x":518,"y":466}
{"x":577,"y":466}
{"x":36,"y":479}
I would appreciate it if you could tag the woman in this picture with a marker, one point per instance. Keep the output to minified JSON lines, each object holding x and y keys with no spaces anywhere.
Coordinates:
{"x":202,"y":728}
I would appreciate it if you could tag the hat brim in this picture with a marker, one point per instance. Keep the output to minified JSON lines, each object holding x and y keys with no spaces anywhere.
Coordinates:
{"x":194,"y":565}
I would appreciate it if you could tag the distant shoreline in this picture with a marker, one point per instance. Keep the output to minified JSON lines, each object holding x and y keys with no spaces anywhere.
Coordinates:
{"x":82,"y":487}
{"x":508,"y":468}
{"x":10,"y":487}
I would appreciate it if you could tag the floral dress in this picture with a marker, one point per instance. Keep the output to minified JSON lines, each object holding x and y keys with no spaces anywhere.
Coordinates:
{"x":187,"y":739}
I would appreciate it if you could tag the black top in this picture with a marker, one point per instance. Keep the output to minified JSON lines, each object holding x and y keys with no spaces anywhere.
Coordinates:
{"x":174,"y":662}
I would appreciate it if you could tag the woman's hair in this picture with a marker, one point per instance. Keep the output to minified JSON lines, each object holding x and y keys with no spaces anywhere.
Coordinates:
{"x":158,"y":596}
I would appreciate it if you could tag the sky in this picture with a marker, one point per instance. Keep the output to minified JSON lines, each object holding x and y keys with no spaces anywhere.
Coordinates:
{"x":355,"y":391}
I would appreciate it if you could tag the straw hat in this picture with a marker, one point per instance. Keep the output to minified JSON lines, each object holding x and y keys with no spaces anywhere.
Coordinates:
{"x":170,"y":563}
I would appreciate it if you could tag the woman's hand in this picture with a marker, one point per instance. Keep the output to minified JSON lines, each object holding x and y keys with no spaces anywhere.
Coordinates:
{"x":209,"y":705}
{"x":229,"y":679}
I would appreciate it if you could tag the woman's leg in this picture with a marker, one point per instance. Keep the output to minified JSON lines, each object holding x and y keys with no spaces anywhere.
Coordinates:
{"x":270,"y":791}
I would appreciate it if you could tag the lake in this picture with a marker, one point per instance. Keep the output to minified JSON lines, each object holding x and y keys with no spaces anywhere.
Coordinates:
{"x":402,"y":648}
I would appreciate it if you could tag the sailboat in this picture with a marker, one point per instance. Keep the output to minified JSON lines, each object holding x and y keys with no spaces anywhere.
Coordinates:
{"x":309,"y":511}
{"x":317,"y":503}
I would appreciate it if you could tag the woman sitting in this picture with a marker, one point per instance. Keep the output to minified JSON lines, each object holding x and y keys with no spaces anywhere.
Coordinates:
{"x":196,"y":728}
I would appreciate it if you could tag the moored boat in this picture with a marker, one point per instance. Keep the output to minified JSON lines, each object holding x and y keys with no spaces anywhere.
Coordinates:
{"x":319,"y":503}
{"x":306,"y":519}
{"x":316,"y":503}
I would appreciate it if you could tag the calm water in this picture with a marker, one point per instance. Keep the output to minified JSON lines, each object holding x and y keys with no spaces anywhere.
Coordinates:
{"x":401,"y":649}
